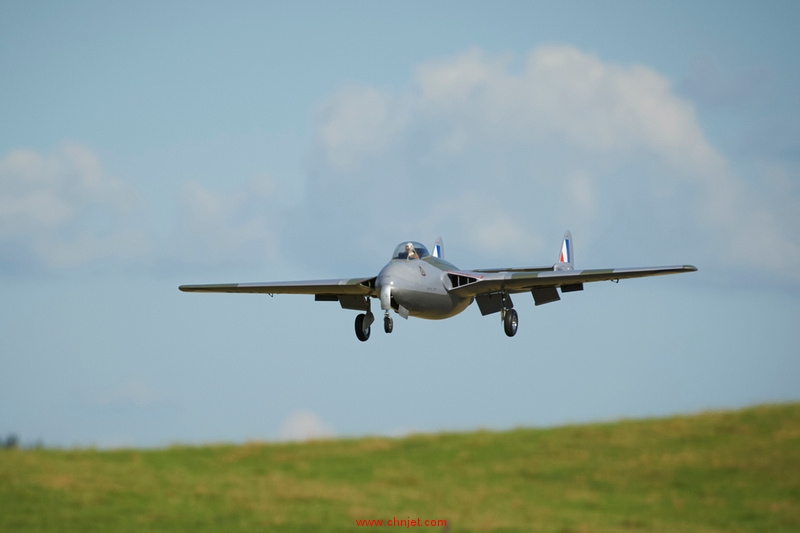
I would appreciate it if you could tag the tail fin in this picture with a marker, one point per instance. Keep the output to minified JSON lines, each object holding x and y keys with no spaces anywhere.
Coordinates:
{"x":566,"y":261}
{"x":438,"y":248}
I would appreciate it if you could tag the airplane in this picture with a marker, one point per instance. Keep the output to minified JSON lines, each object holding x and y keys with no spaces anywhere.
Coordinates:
{"x":422,"y":284}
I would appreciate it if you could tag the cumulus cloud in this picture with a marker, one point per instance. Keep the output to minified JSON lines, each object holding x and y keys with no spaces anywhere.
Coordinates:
{"x":223,"y":226}
{"x":355,"y":123}
{"x":132,"y":392}
{"x":505,"y":154}
{"x":564,"y":93}
{"x":497,"y":154}
{"x":62,"y":210}
{"x":304,"y":425}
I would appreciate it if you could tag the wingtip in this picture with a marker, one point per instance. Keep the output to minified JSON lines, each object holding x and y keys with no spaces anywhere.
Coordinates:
{"x":690,"y":268}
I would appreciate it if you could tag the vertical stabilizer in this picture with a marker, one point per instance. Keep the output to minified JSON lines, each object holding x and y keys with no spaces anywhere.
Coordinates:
{"x":566,"y":261}
{"x":438,"y":248}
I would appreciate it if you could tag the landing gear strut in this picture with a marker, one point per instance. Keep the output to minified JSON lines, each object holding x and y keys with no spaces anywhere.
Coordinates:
{"x":509,"y":316}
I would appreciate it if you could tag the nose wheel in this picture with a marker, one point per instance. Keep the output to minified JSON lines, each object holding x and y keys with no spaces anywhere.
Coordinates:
{"x":388,"y":325}
{"x":510,"y":322}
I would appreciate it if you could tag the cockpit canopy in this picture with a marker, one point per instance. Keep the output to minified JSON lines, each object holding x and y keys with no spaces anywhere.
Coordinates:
{"x":410,"y":250}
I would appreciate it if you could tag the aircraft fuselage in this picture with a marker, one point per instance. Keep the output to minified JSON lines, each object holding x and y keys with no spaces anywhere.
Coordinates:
{"x":420,"y":287}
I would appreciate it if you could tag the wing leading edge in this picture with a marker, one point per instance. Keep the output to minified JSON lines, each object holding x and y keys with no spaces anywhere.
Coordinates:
{"x":487,"y":282}
{"x":543,"y":281}
{"x":329,"y":287}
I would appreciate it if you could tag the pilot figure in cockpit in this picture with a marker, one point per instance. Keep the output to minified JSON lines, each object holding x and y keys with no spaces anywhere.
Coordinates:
{"x":411,"y":253}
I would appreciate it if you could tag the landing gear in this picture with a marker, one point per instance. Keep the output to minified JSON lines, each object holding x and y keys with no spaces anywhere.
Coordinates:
{"x":363,"y":323}
{"x":510,"y":322}
{"x":388,"y":325}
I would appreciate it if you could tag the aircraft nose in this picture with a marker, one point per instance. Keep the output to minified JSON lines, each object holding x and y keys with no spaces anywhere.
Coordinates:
{"x":386,"y":275}
{"x":394,"y":274}
{"x":385,"y":283}
{"x":393,"y":281}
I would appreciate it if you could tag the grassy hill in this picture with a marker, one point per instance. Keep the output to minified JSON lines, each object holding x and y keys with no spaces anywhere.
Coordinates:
{"x":730,"y":471}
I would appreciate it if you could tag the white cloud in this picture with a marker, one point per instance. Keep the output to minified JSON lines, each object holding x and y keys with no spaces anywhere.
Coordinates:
{"x":304,"y":425}
{"x":494,"y":230}
{"x":495,"y":154}
{"x":223,"y":226}
{"x":130,"y":392}
{"x":63,"y":210}
{"x":356,"y":122}
{"x":508,"y":154}
{"x":568,"y":94}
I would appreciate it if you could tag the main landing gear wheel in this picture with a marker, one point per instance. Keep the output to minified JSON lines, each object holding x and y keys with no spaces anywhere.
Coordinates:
{"x":510,"y":322}
{"x":362,"y":332}
{"x":388,"y":325}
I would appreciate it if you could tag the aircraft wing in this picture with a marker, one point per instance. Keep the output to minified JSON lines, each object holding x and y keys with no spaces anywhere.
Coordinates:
{"x":327,"y":287}
{"x":512,"y":269}
{"x":477,"y":282}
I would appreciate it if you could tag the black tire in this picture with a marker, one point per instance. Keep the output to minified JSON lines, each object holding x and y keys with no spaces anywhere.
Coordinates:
{"x":361,"y":333}
{"x":388,"y":324}
{"x":510,"y":322}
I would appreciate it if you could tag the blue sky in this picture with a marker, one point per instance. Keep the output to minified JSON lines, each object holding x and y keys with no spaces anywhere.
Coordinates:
{"x":144,"y":147}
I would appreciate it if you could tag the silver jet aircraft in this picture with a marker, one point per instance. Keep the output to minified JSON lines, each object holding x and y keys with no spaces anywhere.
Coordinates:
{"x":422,"y":284}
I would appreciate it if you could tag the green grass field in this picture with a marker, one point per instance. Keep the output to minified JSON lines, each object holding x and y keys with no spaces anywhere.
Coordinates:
{"x":730,"y":471}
